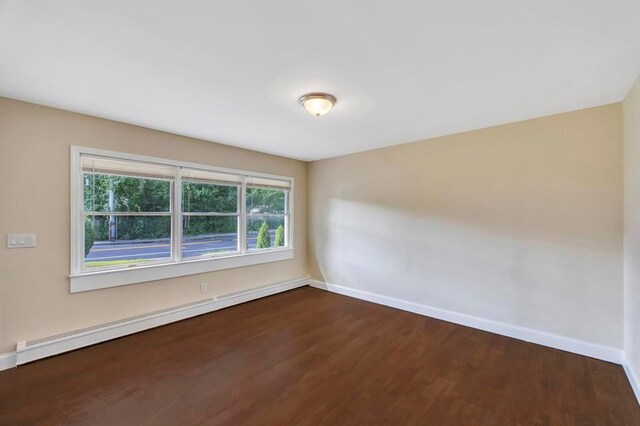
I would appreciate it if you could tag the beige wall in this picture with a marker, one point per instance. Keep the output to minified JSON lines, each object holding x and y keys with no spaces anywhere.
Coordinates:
{"x":34,"y":197}
{"x":631,"y":108}
{"x":520,"y":223}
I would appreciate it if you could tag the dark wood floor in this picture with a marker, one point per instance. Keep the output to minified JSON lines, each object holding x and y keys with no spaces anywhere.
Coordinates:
{"x":308,"y":357}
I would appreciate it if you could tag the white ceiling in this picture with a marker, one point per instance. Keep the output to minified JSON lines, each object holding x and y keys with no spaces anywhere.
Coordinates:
{"x":402,"y":70}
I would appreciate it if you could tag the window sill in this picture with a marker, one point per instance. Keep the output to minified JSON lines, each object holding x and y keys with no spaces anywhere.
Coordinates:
{"x":105,"y":279}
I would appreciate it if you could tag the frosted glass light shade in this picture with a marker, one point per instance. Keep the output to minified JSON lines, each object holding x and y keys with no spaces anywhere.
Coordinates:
{"x":318,"y":103}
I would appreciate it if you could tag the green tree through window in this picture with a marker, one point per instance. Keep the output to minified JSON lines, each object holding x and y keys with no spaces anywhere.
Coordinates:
{"x":264,"y":239}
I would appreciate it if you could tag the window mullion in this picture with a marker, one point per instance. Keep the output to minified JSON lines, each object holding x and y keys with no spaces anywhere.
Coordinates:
{"x":242,"y":228}
{"x":176,"y":212}
{"x":77,"y":212}
{"x":286,"y":218}
{"x":210,"y":214}
{"x":130,"y":213}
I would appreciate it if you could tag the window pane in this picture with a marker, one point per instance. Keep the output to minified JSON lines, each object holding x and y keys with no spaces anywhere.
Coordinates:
{"x":261,"y":200}
{"x":205,"y":198}
{"x":123,"y":240}
{"x":107,"y":193}
{"x":265,"y":231}
{"x":207,"y":235}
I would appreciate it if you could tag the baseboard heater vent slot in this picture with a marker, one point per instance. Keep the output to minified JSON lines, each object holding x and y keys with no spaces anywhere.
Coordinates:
{"x":62,"y":342}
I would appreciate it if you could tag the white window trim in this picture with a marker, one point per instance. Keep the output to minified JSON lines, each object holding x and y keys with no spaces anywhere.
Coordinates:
{"x":93,"y":280}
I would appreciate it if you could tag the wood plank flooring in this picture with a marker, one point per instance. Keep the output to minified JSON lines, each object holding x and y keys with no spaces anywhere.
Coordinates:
{"x":308,"y":357}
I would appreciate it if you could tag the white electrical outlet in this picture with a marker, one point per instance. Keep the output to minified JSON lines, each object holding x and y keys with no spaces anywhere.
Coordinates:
{"x":21,"y":240}
{"x":204,"y":287}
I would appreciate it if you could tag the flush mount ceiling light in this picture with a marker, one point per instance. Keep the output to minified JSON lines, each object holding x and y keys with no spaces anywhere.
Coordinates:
{"x":318,"y":103}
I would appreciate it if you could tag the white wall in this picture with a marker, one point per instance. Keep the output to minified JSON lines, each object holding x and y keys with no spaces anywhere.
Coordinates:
{"x":631,"y":111}
{"x":519,"y":223}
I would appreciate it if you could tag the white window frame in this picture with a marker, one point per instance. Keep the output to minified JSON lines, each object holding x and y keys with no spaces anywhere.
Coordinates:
{"x":85,"y":280}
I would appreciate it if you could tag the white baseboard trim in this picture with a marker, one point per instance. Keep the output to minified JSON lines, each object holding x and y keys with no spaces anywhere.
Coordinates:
{"x":249,"y":295}
{"x":7,"y":361}
{"x":568,"y":344}
{"x":633,"y":377}
{"x":63,"y":342}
